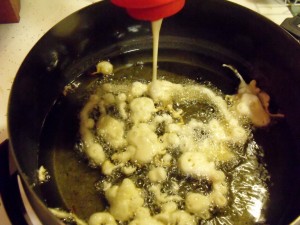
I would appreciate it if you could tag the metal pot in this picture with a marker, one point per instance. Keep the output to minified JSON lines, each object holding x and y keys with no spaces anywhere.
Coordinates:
{"x":204,"y":35}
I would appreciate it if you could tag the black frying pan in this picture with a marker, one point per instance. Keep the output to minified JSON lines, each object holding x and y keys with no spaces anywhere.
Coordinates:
{"x":195,"y":42}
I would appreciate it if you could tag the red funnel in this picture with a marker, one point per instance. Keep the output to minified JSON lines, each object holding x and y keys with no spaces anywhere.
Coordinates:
{"x":150,"y":10}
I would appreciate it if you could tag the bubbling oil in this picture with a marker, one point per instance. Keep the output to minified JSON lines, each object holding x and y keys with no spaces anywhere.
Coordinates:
{"x":246,"y":175}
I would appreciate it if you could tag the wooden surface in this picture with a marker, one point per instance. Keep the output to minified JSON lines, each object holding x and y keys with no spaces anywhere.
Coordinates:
{"x":9,"y":11}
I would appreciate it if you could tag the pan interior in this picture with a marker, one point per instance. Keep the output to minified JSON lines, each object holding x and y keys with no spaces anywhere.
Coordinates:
{"x":72,"y":183}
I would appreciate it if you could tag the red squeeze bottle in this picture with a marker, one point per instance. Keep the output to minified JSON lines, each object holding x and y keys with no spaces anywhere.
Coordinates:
{"x":150,"y":10}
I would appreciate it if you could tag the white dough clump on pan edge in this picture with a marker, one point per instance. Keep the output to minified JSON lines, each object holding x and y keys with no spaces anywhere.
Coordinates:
{"x":144,"y":131}
{"x":104,"y":67}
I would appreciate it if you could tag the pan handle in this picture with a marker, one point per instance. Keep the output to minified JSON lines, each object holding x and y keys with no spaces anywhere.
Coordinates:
{"x":12,"y":203}
{"x":292,"y":25}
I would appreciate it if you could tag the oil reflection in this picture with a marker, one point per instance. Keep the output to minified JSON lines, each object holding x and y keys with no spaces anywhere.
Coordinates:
{"x":53,"y":60}
{"x":135,"y":28}
{"x":256,"y":204}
